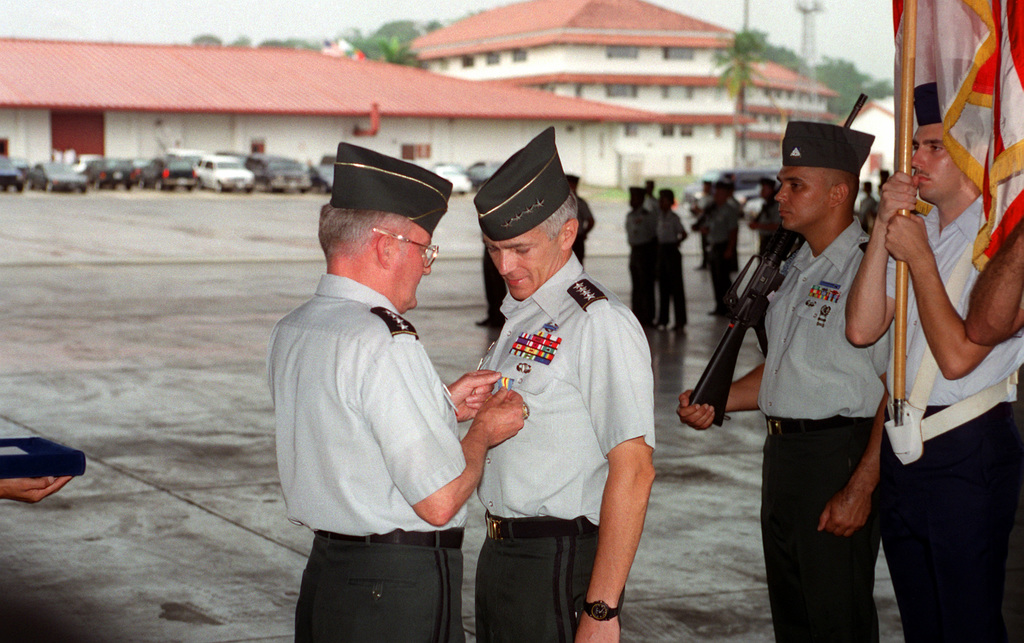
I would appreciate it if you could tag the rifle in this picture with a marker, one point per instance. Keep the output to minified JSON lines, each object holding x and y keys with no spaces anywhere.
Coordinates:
{"x":747,"y":300}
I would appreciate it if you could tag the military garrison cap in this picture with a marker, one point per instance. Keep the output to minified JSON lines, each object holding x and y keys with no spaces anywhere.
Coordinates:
{"x":824,"y":145}
{"x":926,"y":104}
{"x":524,"y":191}
{"x":368,"y":180}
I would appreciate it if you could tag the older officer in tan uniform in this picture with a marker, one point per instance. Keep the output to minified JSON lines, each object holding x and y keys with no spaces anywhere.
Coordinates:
{"x":566,"y":498}
{"x":367,"y":444}
{"x":821,"y":397}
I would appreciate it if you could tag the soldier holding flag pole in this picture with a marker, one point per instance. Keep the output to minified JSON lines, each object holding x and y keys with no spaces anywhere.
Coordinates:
{"x":951,"y":470}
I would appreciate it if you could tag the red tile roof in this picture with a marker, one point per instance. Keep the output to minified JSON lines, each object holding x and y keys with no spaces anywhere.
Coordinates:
{"x":775,"y":76}
{"x":600,"y":22}
{"x":39,"y":74}
{"x":793,"y":114}
{"x":612,"y":79}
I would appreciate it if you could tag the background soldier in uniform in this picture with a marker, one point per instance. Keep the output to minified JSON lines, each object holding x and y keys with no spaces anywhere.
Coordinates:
{"x":367,"y":443}
{"x":566,"y":503}
{"x":642,"y":235}
{"x":822,"y":398}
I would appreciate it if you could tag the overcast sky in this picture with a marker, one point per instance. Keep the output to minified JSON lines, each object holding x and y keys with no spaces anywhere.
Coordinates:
{"x":856,"y":30}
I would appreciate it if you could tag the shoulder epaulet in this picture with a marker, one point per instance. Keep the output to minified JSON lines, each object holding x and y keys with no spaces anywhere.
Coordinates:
{"x":585,"y":293}
{"x":396,"y":324}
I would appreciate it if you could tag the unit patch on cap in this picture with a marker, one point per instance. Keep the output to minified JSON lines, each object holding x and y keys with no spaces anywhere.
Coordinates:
{"x":585,"y":293}
{"x":795,"y":153}
{"x":396,"y":324}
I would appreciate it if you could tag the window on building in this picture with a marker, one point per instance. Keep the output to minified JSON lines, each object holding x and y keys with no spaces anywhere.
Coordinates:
{"x":518,"y":55}
{"x":257,"y":146}
{"x":668,"y":130}
{"x":3,"y":146}
{"x":686,"y":130}
{"x":620,"y":91}
{"x":579,"y":90}
{"x":413,"y":151}
{"x":718,"y":131}
{"x":690,"y":92}
{"x":443,"y":64}
{"x":677,"y":53}
{"x":666,"y":91}
{"x":622,"y":51}
{"x":493,"y":58}
{"x":468,"y":61}
{"x":632,"y":129}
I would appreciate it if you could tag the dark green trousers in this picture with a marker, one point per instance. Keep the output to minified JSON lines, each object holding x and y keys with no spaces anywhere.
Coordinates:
{"x":820,"y":585}
{"x":372,"y":593}
{"x":532,"y":589}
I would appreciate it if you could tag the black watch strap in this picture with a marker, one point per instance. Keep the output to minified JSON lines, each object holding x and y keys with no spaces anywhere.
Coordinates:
{"x":599,"y":611}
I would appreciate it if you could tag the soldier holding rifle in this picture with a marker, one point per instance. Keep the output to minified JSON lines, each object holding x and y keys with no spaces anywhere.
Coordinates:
{"x":822,"y":399}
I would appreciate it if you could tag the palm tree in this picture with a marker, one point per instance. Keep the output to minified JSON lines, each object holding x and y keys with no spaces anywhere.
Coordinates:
{"x":740,"y":71}
{"x":393,"y":50}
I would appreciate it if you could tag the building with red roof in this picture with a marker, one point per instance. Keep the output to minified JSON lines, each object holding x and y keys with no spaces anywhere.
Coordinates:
{"x":630,"y":53}
{"x":135,"y":100}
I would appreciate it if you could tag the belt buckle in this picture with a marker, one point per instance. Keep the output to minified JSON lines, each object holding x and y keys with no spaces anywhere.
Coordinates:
{"x":493,"y":528}
{"x":774,"y":426}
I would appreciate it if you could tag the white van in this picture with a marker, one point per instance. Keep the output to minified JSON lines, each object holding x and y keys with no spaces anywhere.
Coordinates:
{"x":224,"y":174}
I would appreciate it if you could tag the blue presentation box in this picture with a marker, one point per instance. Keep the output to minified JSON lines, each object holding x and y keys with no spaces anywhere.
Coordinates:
{"x":37,"y":458}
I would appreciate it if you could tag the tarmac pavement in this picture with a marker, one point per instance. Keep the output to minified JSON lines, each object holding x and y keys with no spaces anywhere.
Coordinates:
{"x":135,"y":328}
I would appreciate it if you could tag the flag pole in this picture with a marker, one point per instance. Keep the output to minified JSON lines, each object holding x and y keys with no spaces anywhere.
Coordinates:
{"x":904,"y":151}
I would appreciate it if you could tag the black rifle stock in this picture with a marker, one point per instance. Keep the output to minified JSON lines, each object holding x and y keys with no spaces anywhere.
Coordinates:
{"x":748,"y":309}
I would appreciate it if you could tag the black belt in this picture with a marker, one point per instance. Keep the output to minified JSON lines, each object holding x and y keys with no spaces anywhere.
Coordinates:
{"x":779,"y":426}
{"x":505,"y":528}
{"x":447,"y":539}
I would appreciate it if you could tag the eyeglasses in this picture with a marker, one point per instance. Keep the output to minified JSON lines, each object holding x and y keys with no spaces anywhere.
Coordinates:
{"x":429,"y":252}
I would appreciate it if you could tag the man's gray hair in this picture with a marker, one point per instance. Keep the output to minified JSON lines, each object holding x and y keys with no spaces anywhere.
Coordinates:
{"x":565,"y":212}
{"x":345,"y":231}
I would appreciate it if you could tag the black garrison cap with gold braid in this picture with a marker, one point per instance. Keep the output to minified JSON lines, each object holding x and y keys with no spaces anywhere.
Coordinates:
{"x":824,"y":145}
{"x":368,"y":180}
{"x":524,"y":191}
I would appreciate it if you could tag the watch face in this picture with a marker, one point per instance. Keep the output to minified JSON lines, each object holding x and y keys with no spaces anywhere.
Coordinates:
{"x":599,"y":611}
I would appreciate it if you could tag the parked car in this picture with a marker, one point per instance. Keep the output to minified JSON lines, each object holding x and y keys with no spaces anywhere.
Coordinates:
{"x":137,"y":167}
{"x":224,"y":173}
{"x":480,"y":171}
{"x":54,"y":177}
{"x":169,"y":173}
{"x":192,"y":156}
{"x":22,"y":165}
{"x":279,"y":174}
{"x":322,"y":178}
{"x":10,"y":176}
{"x":457,"y":175}
{"x":109,"y":173}
{"x":747,"y":182}
{"x":82,"y":160}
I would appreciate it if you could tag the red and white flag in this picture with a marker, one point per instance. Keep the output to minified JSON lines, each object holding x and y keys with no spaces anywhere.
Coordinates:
{"x":1005,"y":193}
{"x":973,"y":50}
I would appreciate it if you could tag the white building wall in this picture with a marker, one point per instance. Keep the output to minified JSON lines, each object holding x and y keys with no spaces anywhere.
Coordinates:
{"x":553,"y":59}
{"x":602,"y":153}
{"x":27,"y":132}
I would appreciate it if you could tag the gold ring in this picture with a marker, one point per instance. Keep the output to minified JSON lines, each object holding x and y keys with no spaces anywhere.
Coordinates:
{"x":526,"y":411}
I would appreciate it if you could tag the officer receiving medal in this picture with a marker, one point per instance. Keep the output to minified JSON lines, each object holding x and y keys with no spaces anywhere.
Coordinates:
{"x":567,"y":497}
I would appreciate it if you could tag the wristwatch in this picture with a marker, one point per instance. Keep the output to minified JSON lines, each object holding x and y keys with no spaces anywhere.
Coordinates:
{"x":599,"y":611}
